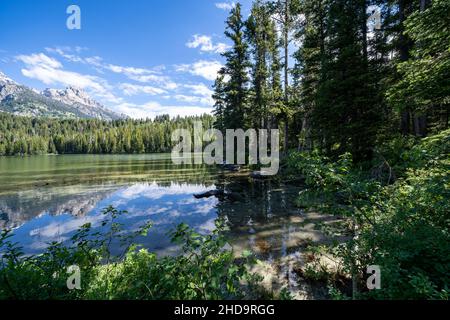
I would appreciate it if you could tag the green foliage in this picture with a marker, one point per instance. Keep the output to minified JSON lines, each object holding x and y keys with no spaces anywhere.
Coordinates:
{"x":29,"y":136}
{"x":425,"y":78}
{"x":336,"y":294}
{"x":353,"y":80}
{"x":266,"y":90}
{"x":236,"y":93}
{"x":402,"y":227}
{"x":205,"y":270}
{"x":351,"y":86}
{"x":336,"y":79}
{"x":248,"y":91}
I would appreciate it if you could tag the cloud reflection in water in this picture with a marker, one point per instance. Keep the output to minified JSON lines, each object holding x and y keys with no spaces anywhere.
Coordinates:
{"x":165,"y":205}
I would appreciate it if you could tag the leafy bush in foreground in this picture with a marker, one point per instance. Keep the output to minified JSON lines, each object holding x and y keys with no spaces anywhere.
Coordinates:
{"x":205,"y":270}
{"x":404,"y":226}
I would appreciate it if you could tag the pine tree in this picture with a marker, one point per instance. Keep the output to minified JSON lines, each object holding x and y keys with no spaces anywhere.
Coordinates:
{"x":275,"y":99}
{"x":309,"y":59}
{"x":219,"y":97}
{"x":285,"y":12}
{"x":236,"y":68}
{"x":338,"y":90}
{"x":424,"y":83}
{"x":257,"y":34}
{"x":347,"y":113}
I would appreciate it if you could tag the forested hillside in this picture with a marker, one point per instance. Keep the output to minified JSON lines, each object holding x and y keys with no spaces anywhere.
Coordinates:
{"x":29,"y":136}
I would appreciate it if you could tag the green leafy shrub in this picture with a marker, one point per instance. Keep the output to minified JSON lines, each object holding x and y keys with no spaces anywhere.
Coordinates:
{"x":403,"y":227}
{"x":205,"y":270}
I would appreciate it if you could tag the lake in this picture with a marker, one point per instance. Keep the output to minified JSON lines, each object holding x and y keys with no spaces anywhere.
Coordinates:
{"x":47,"y":198}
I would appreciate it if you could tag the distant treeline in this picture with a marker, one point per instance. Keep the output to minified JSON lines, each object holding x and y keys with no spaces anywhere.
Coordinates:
{"x":31,"y":136}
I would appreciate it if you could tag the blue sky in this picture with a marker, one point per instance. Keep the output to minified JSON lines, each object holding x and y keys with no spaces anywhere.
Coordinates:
{"x":138,"y":57}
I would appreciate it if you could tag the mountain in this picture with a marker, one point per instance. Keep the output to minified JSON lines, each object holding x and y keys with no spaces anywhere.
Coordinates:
{"x":68,"y":103}
{"x":80,"y":99}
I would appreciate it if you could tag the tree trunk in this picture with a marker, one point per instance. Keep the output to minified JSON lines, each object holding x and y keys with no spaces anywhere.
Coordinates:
{"x":423,"y":125}
{"x":421,"y":120}
{"x":307,"y":132}
{"x":286,"y":76}
{"x":420,"y":125}
{"x":405,"y":122}
{"x":423,"y":5}
{"x":364,"y":31}
{"x":444,"y":117}
{"x":405,"y":127}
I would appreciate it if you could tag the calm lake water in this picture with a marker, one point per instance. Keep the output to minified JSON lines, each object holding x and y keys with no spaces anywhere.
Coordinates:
{"x":47,"y":198}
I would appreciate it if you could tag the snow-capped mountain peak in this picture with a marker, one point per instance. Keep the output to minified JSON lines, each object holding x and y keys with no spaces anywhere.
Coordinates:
{"x":72,"y":95}
{"x":70,"y":102}
{"x":6,"y":80}
{"x":81,"y":100}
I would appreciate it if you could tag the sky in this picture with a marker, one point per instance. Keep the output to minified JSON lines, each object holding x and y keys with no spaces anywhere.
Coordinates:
{"x":138,"y":57}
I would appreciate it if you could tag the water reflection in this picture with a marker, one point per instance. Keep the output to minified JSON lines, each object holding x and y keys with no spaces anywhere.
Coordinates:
{"x":47,"y":198}
{"x":261,"y":214}
{"x":165,"y":206}
{"x":77,"y":200}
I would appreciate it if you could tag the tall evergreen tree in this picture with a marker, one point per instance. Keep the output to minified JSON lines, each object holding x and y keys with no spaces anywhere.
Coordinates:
{"x":285,"y":12}
{"x":219,"y":97}
{"x":424,"y":83}
{"x":310,"y":58}
{"x":236,"y":68}
{"x":338,"y":89}
{"x":258,"y":37}
{"x":275,"y":99}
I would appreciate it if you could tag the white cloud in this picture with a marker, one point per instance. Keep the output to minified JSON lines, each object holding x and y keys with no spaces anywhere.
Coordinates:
{"x":80,"y":49}
{"x":58,"y":229}
{"x":206,"y":101}
{"x":181,"y":99}
{"x":133,"y":89}
{"x":153,"y":191}
{"x":67,"y":53}
{"x":200,"y":89}
{"x":163,"y":81}
{"x":198,"y":93}
{"x":50,"y":71}
{"x":58,"y":76}
{"x":206,"y":44}
{"x":153,"y":109}
{"x":169,"y":85}
{"x":225,"y":5}
{"x":39,"y":59}
{"x":128,"y":70}
{"x":202,"y":68}
{"x":143,"y":75}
